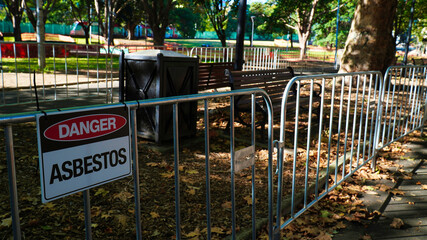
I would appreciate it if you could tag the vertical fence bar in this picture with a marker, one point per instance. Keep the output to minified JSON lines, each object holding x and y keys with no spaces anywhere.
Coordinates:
{"x":54,"y":70}
{"x":66,"y":72}
{"x":29,"y":72}
{"x":253,"y":167}
{"x":111,"y":93}
{"x":176,"y":169}
{"x":13,"y":191}
{"x":295,"y":149}
{"x":233,"y":200}
{"x":16,"y":73}
{"x":77,"y":70}
{"x":97,"y":69}
{"x":2,"y":76}
{"x":319,"y":144}
{"x":137,"y":192}
{"x":88,"y":219}
{"x":87,"y":60}
{"x":207,"y":169}
{"x":310,"y":110}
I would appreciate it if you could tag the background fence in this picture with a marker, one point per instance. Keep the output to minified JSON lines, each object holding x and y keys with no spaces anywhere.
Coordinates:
{"x":75,"y":71}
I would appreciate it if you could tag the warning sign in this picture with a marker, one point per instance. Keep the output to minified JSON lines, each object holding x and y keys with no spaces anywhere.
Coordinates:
{"x":79,"y":150}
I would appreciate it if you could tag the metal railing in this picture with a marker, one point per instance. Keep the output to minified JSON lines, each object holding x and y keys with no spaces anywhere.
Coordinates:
{"x":403,"y":103}
{"x":234,"y":157}
{"x":71,"y":71}
{"x":358,"y":115}
{"x":326,"y":150}
{"x":74,"y":71}
{"x":259,"y":58}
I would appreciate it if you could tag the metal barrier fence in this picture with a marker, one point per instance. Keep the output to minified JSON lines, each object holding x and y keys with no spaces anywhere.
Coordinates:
{"x":326,"y":150}
{"x":234,"y":162}
{"x":403,"y":101}
{"x":358,"y":114}
{"x":74,"y":70}
{"x":256,"y":58}
{"x":71,"y":71}
{"x":331,"y":126}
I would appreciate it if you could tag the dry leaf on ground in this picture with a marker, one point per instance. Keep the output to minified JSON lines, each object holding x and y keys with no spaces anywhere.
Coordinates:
{"x":397,"y":223}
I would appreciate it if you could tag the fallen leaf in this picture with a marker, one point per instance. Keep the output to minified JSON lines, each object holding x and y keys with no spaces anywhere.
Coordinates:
{"x":168,"y":174}
{"x":154,"y":215}
{"x":191,"y":191}
{"x":7,"y":222}
{"x":248,"y":200}
{"x":194,"y":233}
{"x":226,"y":205}
{"x":323,"y":236}
{"x":123,"y":196}
{"x":397,"y":223}
{"x":397,"y":192}
{"x":102,"y":192}
{"x":217,"y":230}
{"x":424,"y":187}
{"x":153,"y":164}
{"x":122,"y":219}
{"x":49,"y":205}
{"x":192,"y":171}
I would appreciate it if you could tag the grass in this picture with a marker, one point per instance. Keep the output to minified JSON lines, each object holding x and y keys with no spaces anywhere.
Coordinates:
{"x":58,"y":64}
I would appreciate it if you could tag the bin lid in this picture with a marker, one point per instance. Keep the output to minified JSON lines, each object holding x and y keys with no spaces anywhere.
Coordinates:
{"x":152,"y":55}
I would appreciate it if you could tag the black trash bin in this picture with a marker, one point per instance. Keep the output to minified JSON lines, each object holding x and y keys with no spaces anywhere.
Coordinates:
{"x":155,"y":74}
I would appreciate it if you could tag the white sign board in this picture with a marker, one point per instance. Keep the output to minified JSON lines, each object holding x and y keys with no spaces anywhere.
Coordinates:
{"x":79,"y":150}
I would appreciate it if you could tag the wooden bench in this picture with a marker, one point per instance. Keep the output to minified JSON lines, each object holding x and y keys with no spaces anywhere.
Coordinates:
{"x":212,"y":75}
{"x":419,"y":61}
{"x":274,"y":83}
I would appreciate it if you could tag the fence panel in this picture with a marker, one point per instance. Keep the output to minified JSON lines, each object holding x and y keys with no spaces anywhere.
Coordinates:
{"x":403,"y":105}
{"x":71,"y":71}
{"x":209,"y":214}
{"x":327,"y":132}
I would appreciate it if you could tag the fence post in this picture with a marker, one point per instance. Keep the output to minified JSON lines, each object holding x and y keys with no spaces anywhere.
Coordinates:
{"x":13,"y":191}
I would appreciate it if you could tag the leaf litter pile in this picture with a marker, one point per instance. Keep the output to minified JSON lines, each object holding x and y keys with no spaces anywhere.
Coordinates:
{"x":112,"y":204}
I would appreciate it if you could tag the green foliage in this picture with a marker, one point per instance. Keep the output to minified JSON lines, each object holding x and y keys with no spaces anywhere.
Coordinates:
{"x":185,"y":19}
{"x":325,"y":31}
{"x":401,"y":22}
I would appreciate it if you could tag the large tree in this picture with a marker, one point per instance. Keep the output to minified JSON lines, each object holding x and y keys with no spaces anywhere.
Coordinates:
{"x":301,"y":16}
{"x":110,"y":13}
{"x":81,"y":12}
{"x":325,"y":29}
{"x":48,"y":6}
{"x":370,"y":44}
{"x":218,"y":13}
{"x":14,"y":10}
{"x":158,"y":17}
{"x":39,"y":23}
{"x":131,"y":16}
{"x":185,"y":17}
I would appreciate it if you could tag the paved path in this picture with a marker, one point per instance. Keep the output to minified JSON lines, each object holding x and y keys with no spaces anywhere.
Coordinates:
{"x":411,"y":207}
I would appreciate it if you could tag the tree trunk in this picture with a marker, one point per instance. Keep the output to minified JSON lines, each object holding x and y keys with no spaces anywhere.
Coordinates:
{"x":370,"y":45}
{"x":16,"y":22}
{"x":222,"y":38}
{"x":131,"y":31}
{"x":302,"y":39}
{"x":158,"y":36}
{"x":86,"y":30}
